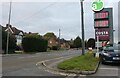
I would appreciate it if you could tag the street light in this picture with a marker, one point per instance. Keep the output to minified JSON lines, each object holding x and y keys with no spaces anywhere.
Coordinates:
{"x":59,"y":40}
{"x":9,"y":18}
{"x":82,"y":27}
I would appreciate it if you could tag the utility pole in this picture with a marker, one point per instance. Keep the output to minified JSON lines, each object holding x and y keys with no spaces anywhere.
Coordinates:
{"x":59,"y":39}
{"x":82,"y":27}
{"x":9,"y":18}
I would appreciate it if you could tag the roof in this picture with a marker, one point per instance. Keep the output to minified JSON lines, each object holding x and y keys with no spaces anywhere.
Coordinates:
{"x":13,"y":30}
{"x":63,"y":40}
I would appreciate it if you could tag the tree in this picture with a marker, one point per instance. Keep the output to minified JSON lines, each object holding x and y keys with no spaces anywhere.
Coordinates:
{"x":71,"y":43}
{"x":85,"y":43}
{"x":119,"y":42}
{"x":12,"y":42}
{"x":91,"y":43}
{"x":77,"y":42}
{"x":49,"y":35}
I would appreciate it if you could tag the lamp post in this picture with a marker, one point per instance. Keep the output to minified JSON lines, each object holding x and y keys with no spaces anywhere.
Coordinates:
{"x":82,"y":27}
{"x":7,"y":45}
{"x":59,"y":40}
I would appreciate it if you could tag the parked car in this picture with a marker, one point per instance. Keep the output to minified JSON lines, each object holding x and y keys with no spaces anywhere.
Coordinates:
{"x":110,"y":54}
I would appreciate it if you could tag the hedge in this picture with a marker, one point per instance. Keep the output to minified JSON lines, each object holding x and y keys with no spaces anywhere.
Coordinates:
{"x":32,"y":44}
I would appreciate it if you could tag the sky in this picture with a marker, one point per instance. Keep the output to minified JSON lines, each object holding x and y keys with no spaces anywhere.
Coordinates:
{"x":44,"y":16}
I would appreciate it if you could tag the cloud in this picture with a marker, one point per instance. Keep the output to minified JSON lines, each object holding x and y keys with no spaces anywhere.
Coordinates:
{"x":43,"y":17}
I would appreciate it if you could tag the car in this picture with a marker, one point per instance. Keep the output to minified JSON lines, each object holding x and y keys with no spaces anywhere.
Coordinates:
{"x":110,"y":54}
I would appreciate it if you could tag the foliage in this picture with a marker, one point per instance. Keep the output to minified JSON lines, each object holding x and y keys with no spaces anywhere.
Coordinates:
{"x":83,"y":63}
{"x":12,"y":42}
{"x":91,"y":43}
{"x":77,"y":42}
{"x":33,"y":35}
{"x":85,"y":44}
{"x":54,"y":47}
{"x":34,"y":43}
{"x":119,"y":42}
{"x":71,"y":43}
{"x":49,"y":35}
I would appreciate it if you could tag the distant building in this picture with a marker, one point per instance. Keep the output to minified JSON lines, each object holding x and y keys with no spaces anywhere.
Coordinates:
{"x":64,"y":44}
{"x":15,"y":32}
{"x":52,"y":42}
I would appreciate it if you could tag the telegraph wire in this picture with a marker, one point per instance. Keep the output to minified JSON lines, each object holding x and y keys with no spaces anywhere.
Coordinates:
{"x":35,"y":14}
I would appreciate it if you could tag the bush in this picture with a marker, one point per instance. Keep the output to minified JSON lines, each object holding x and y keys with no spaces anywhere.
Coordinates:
{"x":34,"y":44}
{"x":54,"y":47}
{"x":12,"y":42}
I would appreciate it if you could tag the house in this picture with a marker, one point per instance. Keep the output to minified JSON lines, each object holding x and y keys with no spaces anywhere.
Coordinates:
{"x":64,"y":44}
{"x":52,"y":42}
{"x":15,"y":32}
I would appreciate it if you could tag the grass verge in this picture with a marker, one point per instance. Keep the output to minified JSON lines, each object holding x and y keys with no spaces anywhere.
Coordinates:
{"x":85,"y":62}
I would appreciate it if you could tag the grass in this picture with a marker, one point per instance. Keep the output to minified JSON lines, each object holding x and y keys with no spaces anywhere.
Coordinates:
{"x":84,"y":63}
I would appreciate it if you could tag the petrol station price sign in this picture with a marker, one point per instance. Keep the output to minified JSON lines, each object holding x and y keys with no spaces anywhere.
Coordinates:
{"x":101,"y":19}
{"x":103,"y":34}
{"x":102,"y":23}
{"x":101,"y":15}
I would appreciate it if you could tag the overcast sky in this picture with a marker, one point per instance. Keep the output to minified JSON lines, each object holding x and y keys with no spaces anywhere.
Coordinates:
{"x":44,"y":16}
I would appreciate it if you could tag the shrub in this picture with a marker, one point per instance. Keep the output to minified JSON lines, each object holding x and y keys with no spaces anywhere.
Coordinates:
{"x":54,"y":47}
{"x":34,"y":44}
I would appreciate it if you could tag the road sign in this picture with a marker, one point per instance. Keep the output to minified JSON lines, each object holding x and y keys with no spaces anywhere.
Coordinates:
{"x":97,"y":5}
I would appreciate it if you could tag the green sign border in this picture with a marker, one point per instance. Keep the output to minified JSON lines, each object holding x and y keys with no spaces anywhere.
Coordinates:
{"x":100,"y":8}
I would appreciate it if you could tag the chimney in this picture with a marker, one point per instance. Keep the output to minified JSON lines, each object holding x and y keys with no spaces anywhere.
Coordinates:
{"x":8,"y":25}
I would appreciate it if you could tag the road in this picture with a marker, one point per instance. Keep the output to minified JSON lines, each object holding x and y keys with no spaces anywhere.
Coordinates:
{"x":108,"y":71}
{"x":25,"y":65}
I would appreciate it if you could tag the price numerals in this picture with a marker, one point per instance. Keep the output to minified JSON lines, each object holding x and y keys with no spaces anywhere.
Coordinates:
{"x":101,"y":23}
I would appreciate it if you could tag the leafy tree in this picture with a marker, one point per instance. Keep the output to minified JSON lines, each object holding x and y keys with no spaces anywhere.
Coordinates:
{"x":85,"y":43}
{"x":119,"y":42}
{"x":49,"y":35}
{"x":71,"y":43}
{"x":33,"y":35}
{"x":77,"y":42}
{"x":12,"y":42}
{"x":91,"y":43}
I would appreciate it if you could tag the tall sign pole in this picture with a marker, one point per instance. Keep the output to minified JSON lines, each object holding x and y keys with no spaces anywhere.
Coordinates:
{"x":82,"y":27}
{"x":7,"y":46}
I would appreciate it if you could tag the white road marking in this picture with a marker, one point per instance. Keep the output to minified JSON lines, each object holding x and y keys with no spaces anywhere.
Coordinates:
{"x":109,"y":68}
